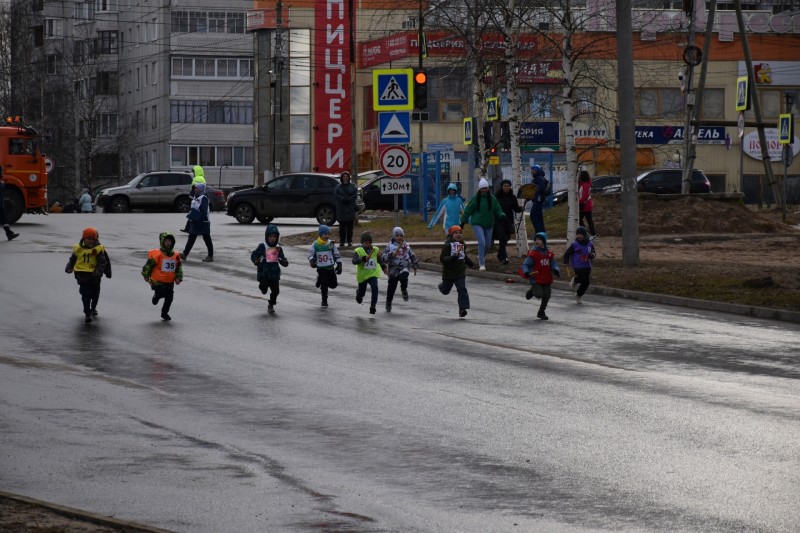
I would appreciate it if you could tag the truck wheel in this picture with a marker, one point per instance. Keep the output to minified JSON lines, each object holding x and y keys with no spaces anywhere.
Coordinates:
{"x":13,"y":204}
{"x":183,"y":204}
{"x":119,"y":204}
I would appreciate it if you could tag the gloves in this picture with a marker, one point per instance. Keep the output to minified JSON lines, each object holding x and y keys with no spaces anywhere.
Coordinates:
{"x":68,"y":270}
{"x":338,"y":268}
{"x":557,"y":273}
{"x":284,"y":262}
{"x":177,"y":281}
{"x":313,"y":263}
{"x":147,"y":279}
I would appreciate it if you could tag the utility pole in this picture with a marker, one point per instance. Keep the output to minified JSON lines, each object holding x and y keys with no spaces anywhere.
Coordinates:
{"x":762,"y":137}
{"x":263,"y":111}
{"x":627,"y":135}
{"x":353,"y":108}
{"x":688,"y":58}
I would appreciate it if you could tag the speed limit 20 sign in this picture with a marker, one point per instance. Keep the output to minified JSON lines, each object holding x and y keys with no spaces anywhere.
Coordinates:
{"x":395,"y":161}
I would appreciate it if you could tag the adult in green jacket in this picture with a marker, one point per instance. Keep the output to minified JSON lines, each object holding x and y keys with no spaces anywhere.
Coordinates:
{"x":481,"y":212}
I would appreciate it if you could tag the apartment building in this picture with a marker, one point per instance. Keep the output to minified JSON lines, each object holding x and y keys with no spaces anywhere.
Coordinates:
{"x":127,"y":86}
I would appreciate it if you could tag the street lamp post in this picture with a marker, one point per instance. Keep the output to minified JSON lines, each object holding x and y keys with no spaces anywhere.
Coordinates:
{"x":219,"y":184}
{"x":787,"y":150}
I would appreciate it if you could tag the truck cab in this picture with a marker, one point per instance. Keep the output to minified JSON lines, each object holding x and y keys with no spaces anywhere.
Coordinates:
{"x":23,"y":169}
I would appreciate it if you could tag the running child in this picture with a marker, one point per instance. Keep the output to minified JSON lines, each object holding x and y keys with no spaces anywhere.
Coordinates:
{"x":398,"y":258}
{"x":269,"y":259}
{"x":369,"y":265}
{"x":88,"y":262}
{"x":454,"y":268}
{"x":539,"y":268}
{"x":163,"y":270}
{"x":579,"y":256}
{"x":324,"y":256}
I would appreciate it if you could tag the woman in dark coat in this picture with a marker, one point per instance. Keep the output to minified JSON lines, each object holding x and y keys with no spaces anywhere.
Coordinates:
{"x":199,"y":223}
{"x":504,"y":227}
{"x":345,"y":195}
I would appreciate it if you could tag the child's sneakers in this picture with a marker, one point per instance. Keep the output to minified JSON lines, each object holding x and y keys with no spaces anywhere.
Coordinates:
{"x":372,"y":310}
{"x":388,"y":307}
{"x":578,"y":300}
{"x":405,"y":294}
{"x":270,"y":308}
{"x":462,"y":313}
{"x":165,"y":316}
{"x":208,"y":259}
{"x":155,"y":300}
{"x":88,"y":319}
{"x":573,"y":282}
{"x":529,"y":294}
{"x":324,"y":303}
{"x":542,"y":316}
{"x":359,"y":299}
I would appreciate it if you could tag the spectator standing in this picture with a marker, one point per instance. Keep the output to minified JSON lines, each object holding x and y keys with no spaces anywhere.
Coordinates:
{"x":504,"y":227}
{"x":85,"y":201}
{"x":199,"y":223}
{"x":481,"y":212}
{"x":585,"y":202}
{"x":537,"y":204}
{"x":449,"y":210}
{"x":345,"y":194}
{"x":3,"y":220}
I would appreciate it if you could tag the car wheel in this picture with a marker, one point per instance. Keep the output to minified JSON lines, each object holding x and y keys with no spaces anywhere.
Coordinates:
{"x":119,"y":204}
{"x":183,"y":204}
{"x":265,"y":220}
{"x":326,"y":215}
{"x":244,"y":213}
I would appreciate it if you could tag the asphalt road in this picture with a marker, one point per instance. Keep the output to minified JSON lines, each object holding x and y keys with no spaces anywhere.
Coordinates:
{"x":613,"y":416}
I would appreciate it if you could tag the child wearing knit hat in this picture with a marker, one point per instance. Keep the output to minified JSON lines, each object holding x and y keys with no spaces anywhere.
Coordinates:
{"x":454,"y":268}
{"x":324,"y":256}
{"x":579,"y":256}
{"x":539,"y":268}
{"x":89,"y":261}
{"x":369,"y":265}
{"x":398,"y":258}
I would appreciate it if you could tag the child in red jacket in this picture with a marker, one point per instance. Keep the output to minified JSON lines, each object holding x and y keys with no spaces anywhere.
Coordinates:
{"x":539,"y":268}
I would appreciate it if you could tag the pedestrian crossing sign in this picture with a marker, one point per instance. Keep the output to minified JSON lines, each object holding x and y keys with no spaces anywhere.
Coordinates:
{"x":393,"y":89}
{"x":468,"y":130}
{"x":785,"y":128}
{"x":492,"y":112}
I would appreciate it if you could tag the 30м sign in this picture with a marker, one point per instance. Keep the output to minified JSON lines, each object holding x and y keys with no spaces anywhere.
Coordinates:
{"x":674,"y":135}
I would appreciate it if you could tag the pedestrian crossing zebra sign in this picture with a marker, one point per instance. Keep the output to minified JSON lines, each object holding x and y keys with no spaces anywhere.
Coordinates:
{"x":785,"y":128}
{"x":393,"y":89}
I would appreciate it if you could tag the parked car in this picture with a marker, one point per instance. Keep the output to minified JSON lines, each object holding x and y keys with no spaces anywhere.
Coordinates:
{"x":297,"y":195}
{"x":168,"y":189}
{"x":601,"y":182}
{"x":666,"y":181}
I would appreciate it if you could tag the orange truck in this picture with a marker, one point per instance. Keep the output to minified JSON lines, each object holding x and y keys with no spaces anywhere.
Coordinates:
{"x":24,"y":171}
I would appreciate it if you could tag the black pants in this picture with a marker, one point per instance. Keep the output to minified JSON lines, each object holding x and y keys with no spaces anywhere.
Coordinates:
{"x":402,"y":279}
{"x":206,"y":239}
{"x":89,"y":287}
{"x":461,"y":287}
{"x":542,"y":292}
{"x":582,"y":279}
{"x":327,"y":280}
{"x":165,"y":291}
{"x":346,"y":232}
{"x":373,"y":285}
{"x":588,"y":216}
{"x":271,"y":285}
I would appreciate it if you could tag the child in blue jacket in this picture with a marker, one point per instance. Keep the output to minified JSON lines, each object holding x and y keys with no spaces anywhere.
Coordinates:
{"x":579,"y":256}
{"x":451,"y":208}
{"x":269,"y":259}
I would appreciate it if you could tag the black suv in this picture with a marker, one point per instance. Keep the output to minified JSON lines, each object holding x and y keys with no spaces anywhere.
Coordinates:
{"x":668,"y":181}
{"x":291,"y":195}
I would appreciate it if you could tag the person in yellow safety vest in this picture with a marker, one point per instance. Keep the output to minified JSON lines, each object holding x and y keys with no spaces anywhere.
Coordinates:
{"x":89,"y":261}
{"x":198,"y":178}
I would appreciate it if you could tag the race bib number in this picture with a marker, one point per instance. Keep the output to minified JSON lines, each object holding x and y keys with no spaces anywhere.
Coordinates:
{"x":371,"y":264}
{"x":456,"y":248}
{"x":325,"y":258}
{"x":271,"y":255}
{"x":169,"y":265}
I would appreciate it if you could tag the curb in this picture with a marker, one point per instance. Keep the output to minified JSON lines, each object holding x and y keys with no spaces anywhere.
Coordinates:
{"x":69,"y":512}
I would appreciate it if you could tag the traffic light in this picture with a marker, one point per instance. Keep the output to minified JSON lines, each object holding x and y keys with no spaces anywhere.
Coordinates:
{"x":420,"y":90}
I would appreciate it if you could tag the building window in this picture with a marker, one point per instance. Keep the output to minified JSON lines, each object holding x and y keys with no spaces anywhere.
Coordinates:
{"x":211,"y":156}
{"x":451,"y":110}
{"x":713,"y":103}
{"x":38,"y":5}
{"x":772,"y":103}
{"x":54,"y":64}
{"x":183,"y":67}
{"x":153,"y":117}
{"x":106,"y":42}
{"x":81,"y":11}
{"x":38,"y":36}
{"x":53,"y":28}
{"x":180,"y":22}
{"x":105,"y":5}
{"x":198,"y":21}
{"x":659,"y":103}
{"x":235,"y":23}
{"x":154,"y":30}
{"x":106,"y":83}
{"x":584,"y":100}
{"x":154,"y":73}
{"x":214,"y":112}
{"x":207,"y":22}
{"x":105,"y":124}
{"x":216,"y":22}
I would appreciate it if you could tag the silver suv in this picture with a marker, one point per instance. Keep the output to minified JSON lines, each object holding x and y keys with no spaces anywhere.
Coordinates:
{"x":156,"y":189}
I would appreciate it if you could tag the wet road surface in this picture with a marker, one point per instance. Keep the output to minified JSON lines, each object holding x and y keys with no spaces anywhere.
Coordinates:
{"x":614,"y":415}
